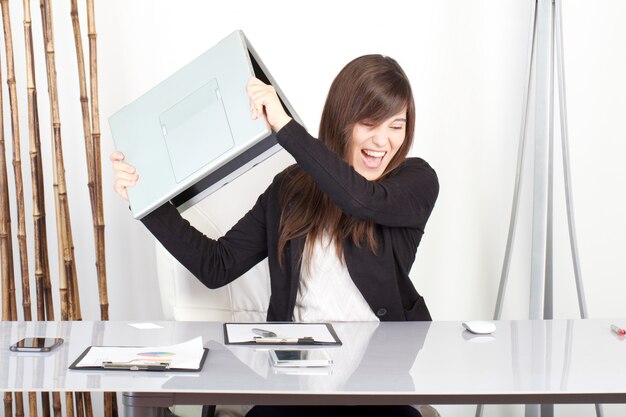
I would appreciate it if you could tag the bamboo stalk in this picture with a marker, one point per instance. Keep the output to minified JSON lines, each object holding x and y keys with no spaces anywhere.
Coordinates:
{"x":17,"y":160}
{"x":6,"y":250}
{"x":97,"y":161}
{"x":6,"y":243}
{"x":69,"y":404}
{"x":80,"y":404}
{"x":88,"y":407}
{"x":42,"y":271}
{"x":32,"y":404}
{"x":73,"y":282}
{"x":61,"y":231}
{"x":110,"y":404}
{"x":6,"y":255}
{"x":11,"y":309}
{"x":84,"y":102}
{"x":110,"y":399}
{"x":19,"y":404}
{"x":56,"y":404}
{"x":19,"y":188}
{"x":89,"y":146}
{"x":8,"y":404}
{"x":35,"y":163}
{"x":45,"y":404}
{"x":70,"y":305}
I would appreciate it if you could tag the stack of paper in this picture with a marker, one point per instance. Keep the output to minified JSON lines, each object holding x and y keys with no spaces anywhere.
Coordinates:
{"x":183,"y":356}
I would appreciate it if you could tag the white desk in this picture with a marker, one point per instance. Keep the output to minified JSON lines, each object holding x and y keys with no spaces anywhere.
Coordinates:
{"x":561,"y":361}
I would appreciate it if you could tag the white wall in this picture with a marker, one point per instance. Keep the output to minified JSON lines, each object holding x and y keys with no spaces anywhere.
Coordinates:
{"x":466,"y":60}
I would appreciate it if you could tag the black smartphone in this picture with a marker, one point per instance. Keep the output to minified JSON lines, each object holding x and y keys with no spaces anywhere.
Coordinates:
{"x":36,"y":344}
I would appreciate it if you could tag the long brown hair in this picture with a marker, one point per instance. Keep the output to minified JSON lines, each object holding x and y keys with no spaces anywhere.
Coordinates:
{"x":371,"y":87}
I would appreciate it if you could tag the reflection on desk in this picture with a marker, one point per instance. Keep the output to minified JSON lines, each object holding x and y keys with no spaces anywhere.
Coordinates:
{"x":389,"y":362}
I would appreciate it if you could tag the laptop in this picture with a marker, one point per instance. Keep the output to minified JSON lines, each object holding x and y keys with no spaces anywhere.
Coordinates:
{"x":193,"y":133}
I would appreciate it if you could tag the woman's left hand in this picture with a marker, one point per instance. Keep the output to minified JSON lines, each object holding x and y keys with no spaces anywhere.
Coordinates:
{"x":265,"y":102}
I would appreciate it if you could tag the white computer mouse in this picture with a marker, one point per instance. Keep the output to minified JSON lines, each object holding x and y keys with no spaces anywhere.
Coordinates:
{"x":479,"y":326}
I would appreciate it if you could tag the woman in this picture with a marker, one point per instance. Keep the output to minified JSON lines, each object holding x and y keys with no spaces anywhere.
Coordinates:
{"x":353,"y":206}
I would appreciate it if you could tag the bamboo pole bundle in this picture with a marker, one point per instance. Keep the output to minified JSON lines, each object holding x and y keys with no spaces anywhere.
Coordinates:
{"x":97,"y":164}
{"x":17,"y":159}
{"x":43,"y":292}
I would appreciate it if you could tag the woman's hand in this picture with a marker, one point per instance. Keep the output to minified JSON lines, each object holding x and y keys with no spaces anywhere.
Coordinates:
{"x":264,"y":102}
{"x":125,"y":174}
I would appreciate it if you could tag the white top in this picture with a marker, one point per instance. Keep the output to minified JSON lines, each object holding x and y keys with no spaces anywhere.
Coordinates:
{"x":326,"y":291}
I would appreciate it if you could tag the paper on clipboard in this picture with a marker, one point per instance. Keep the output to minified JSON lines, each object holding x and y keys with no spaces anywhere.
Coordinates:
{"x":244,"y":333}
{"x":187,"y":356}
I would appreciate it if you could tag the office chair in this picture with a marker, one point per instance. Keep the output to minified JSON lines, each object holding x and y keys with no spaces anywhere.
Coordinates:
{"x":184,"y":298}
{"x":246,"y":299}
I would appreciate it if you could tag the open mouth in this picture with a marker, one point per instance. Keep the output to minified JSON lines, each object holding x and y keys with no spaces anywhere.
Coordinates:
{"x":373,"y":159}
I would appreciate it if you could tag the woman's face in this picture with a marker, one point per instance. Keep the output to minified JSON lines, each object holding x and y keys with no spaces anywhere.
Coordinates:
{"x":373,"y":145}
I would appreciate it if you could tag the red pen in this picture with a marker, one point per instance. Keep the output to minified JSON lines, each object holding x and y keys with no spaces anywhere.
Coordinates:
{"x":618,"y":330}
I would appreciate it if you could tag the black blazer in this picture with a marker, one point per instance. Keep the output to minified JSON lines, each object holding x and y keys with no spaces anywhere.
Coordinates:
{"x":399,"y":206}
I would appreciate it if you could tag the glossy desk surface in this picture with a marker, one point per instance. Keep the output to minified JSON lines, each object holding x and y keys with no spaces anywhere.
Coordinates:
{"x":556,"y":361}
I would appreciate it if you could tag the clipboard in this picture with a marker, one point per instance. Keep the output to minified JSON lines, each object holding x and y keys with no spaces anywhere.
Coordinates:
{"x":281,"y":333}
{"x":184,"y":357}
{"x":130,"y":366}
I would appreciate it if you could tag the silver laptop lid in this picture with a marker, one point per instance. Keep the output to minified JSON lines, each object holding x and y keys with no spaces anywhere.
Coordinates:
{"x":193,"y":133}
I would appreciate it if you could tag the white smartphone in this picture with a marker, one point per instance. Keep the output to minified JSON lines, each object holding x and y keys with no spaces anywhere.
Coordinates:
{"x":300,"y":358}
{"x":36,"y":344}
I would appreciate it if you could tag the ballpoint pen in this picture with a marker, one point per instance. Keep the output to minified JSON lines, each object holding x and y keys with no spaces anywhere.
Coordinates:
{"x":263,"y":332}
{"x":618,"y":330}
{"x":136,"y":366}
{"x":285,"y":340}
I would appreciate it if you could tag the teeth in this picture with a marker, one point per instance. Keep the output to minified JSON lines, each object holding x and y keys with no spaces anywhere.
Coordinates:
{"x":375,"y":154}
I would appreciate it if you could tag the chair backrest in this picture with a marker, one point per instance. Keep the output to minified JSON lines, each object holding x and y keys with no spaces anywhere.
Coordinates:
{"x":183,"y":297}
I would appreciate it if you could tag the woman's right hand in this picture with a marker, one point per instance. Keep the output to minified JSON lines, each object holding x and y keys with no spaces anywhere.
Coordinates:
{"x":264,"y":102}
{"x":125,"y":174}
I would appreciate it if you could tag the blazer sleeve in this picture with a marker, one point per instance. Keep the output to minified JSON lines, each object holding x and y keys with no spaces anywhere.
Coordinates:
{"x":403,"y":199}
{"x":214,"y":262}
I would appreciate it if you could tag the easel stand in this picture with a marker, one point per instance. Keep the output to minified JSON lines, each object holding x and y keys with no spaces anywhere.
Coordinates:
{"x":545,"y":43}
